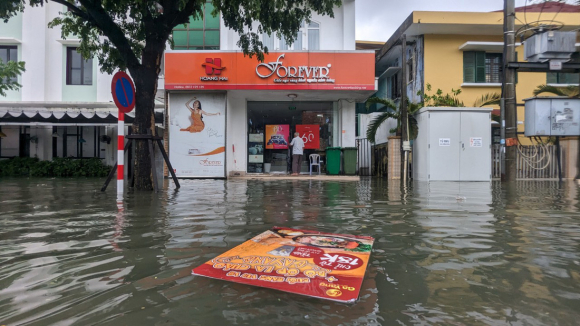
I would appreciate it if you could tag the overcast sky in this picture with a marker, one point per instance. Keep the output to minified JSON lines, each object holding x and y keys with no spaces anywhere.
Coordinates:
{"x":377,"y":20}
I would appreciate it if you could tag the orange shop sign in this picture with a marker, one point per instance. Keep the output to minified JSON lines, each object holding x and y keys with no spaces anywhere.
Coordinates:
{"x":279,"y":71}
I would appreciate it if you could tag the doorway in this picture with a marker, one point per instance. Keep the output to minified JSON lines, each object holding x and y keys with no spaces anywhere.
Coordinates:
{"x":271,"y":126}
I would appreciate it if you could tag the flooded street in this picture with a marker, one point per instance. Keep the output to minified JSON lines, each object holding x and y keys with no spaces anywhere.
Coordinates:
{"x":445,"y":254}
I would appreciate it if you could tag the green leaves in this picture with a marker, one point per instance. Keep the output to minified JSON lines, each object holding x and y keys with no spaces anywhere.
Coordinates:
{"x":280,"y":17}
{"x":393,"y":112}
{"x":440,"y":99}
{"x":488,"y":99}
{"x":9,"y":72}
{"x":58,"y":167}
{"x":569,"y":91}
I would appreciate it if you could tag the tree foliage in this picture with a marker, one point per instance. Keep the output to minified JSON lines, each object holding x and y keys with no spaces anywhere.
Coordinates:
{"x":440,"y":99}
{"x":9,"y":72}
{"x":392,"y":111}
{"x":569,"y":91}
{"x":133,"y":34}
{"x":119,"y":32}
{"x":487,"y":99}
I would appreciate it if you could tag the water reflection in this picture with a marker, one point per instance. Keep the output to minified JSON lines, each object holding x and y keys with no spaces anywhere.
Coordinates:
{"x":445,"y":253}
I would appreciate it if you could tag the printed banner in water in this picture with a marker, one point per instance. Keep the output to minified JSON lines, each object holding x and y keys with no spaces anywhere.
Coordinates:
{"x":322,"y":265}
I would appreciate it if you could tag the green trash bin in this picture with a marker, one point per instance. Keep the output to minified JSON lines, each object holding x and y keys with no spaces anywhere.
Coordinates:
{"x":333,"y":160}
{"x":349,"y":156}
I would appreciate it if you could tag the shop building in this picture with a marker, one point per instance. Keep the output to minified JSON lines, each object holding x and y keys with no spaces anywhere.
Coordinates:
{"x":230,"y":115}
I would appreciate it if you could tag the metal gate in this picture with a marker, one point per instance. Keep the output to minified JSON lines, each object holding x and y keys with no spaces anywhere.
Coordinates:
{"x":533,"y":162}
{"x":364,"y":157}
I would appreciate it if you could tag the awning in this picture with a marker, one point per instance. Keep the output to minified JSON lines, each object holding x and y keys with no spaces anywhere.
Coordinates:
{"x":27,"y":114}
{"x":483,"y":46}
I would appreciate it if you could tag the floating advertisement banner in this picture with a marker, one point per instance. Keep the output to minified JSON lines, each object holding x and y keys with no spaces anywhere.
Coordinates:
{"x":321,"y":265}
{"x":197,"y":134}
{"x":310,"y":134}
{"x":277,"y":136}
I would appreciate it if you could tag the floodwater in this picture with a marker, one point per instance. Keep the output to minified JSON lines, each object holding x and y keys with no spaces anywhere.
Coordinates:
{"x":445,"y":253}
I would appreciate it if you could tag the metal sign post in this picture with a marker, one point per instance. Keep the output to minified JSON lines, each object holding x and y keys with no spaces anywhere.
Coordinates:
{"x":123,"y":91}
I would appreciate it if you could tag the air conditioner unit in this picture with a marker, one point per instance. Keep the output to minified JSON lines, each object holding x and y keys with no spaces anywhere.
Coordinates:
{"x":550,"y":45}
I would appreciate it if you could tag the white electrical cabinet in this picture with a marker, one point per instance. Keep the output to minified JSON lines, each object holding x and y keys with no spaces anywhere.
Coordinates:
{"x":552,"y":116}
{"x":453,"y":144}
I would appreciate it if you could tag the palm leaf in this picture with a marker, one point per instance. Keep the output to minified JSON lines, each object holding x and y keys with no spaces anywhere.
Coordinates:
{"x":377,"y":122}
{"x":488,"y":99}
{"x":413,"y":127}
{"x":570,"y":91}
{"x":413,"y":108}
{"x":388,"y":104}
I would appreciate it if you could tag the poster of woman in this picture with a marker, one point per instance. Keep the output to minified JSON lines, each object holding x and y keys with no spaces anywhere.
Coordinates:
{"x":197,"y":134}
{"x":196,"y":118}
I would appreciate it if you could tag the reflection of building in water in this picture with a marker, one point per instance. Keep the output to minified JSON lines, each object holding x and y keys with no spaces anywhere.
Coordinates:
{"x":506,"y":257}
{"x":458,"y":240}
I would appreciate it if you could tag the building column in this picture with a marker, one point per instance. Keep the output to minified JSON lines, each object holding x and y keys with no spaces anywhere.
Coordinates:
{"x":347,"y":111}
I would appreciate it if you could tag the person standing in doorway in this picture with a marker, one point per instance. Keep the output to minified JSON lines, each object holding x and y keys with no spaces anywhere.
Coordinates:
{"x":297,"y":151}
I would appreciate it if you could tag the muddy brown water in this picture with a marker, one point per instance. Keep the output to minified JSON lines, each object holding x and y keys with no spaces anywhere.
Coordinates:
{"x":445,"y":253}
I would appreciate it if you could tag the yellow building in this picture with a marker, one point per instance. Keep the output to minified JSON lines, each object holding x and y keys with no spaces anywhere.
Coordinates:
{"x":443,"y":48}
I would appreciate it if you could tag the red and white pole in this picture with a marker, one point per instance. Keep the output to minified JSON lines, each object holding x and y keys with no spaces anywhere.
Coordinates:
{"x":120,"y":155}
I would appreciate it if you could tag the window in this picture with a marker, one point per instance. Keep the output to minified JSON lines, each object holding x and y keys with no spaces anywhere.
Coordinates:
{"x":481,"y":67}
{"x":308,"y":38}
{"x":411,"y":66}
{"x":9,"y":53}
{"x":313,"y":36}
{"x":562,"y":78}
{"x":393,"y":85}
{"x":201,"y":33}
{"x":78,"y":70}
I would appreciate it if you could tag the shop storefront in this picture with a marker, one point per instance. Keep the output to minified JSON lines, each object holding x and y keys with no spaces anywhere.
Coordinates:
{"x":229,"y":114}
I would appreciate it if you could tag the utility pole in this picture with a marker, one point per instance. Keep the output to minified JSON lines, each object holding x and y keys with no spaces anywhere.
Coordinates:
{"x":508,"y":110}
{"x":403,"y":108}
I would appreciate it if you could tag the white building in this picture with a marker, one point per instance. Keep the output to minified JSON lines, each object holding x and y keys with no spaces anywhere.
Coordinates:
{"x":65,"y":108}
{"x":311,"y":86}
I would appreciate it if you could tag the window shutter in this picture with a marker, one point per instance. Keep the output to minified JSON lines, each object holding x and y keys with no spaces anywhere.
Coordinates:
{"x":552,"y":78}
{"x":480,"y":67}
{"x":468,"y":67}
{"x":569,"y":78}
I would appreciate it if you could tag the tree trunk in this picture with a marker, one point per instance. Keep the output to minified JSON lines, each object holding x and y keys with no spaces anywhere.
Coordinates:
{"x":145,"y":78}
{"x":145,"y":88}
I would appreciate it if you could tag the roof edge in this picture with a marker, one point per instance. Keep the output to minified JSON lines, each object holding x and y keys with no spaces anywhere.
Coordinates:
{"x":395,"y":37}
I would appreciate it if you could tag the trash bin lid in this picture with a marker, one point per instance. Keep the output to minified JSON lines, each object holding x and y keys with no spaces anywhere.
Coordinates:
{"x":333,"y":148}
{"x":349,"y":148}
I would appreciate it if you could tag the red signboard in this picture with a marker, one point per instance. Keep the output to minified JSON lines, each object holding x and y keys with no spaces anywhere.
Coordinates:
{"x":310,"y":134}
{"x":322,"y":265}
{"x":343,"y":71}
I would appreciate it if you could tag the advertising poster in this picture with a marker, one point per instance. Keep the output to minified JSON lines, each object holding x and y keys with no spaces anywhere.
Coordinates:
{"x":321,"y":265}
{"x":277,"y":136}
{"x":197,"y":124}
{"x":310,"y":134}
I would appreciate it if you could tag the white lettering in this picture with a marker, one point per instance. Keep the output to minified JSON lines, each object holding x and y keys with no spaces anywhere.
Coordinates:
{"x":290,"y":74}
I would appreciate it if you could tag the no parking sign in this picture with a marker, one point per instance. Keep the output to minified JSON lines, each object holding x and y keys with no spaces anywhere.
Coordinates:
{"x":123,"y":91}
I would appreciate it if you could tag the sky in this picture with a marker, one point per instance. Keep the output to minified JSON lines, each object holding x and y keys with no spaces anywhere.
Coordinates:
{"x":377,"y":20}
